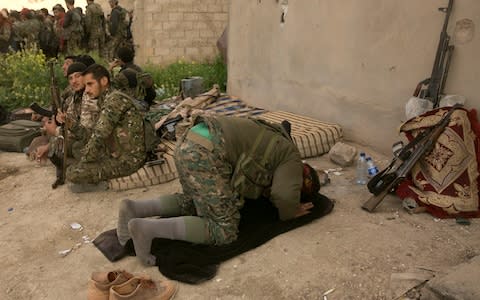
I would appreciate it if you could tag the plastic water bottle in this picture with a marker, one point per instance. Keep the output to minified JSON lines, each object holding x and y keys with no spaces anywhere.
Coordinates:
{"x":372,"y":169}
{"x":362,"y":169}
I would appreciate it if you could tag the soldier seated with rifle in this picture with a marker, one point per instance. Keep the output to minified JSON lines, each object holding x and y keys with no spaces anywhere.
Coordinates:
{"x":68,"y":136}
{"x":116,"y":145}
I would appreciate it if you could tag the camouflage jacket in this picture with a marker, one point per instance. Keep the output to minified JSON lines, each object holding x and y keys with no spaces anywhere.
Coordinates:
{"x":89,"y":112}
{"x":72,"y":24}
{"x":73,"y":109}
{"x":118,"y":22}
{"x":281,"y":163}
{"x":28,"y":30}
{"x":119,"y":130}
{"x":5,"y":35}
{"x":94,"y":20}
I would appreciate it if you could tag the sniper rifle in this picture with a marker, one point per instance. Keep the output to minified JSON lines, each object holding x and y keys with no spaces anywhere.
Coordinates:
{"x":388,"y":179}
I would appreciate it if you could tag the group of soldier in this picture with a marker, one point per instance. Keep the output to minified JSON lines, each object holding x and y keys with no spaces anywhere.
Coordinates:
{"x":103,"y":123}
{"x":68,"y":30}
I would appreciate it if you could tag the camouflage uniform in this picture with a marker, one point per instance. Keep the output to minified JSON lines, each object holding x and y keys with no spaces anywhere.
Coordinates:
{"x":27,"y":31}
{"x":95,"y":28}
{"x":117,"y":27}
{"x":206,"y":168}
{"x":116,"y":146}
{"x":72,"y":31}
{"x":5,"y":35}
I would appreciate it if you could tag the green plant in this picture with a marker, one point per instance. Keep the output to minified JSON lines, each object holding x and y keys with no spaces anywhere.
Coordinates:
{"x":168,"y":78}
{"x":26,"y":79}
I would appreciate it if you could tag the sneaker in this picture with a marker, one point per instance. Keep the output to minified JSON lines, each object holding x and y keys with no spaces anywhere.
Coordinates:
{"x":142,"y":288}
{"x":101,"y":282}
{"x":88,"y":187}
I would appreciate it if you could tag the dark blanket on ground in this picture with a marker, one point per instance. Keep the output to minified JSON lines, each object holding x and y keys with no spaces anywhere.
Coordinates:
{"x":194,"y":263}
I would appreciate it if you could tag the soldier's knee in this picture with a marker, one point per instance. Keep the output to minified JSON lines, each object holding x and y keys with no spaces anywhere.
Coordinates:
{"x":222,"y":234}
{"x":126,"y":207}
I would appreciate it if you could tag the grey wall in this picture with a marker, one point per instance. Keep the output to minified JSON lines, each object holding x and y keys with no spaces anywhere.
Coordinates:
{"x":351,"y":62}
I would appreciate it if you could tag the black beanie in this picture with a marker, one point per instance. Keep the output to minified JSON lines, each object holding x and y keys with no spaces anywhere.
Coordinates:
{"x":76,"y":67}
{"x":125,"y":54}
{"x":85,"y":59}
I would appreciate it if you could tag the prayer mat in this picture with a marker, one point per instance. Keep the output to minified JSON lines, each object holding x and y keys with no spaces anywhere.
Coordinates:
{"x":194,"y":263}
{"x":446,"y":180}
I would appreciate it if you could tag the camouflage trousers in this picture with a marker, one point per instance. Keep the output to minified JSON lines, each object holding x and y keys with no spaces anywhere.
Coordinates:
{"x":205,"y":175}
{"x":101,"y":170}
{"x":113,"y":45}
{"x":96,"y":42}
{"x":73,"y":43}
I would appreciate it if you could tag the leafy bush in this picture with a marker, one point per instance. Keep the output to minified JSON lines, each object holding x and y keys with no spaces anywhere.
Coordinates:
{"x":168,"y":78}
{"x":26,"y":79}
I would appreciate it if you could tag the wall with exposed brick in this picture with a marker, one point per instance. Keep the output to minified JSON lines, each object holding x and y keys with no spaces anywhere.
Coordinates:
{"x":165,"y":31}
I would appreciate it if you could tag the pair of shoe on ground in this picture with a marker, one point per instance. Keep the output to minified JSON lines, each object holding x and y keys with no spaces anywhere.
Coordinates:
{"x":120,"y":284}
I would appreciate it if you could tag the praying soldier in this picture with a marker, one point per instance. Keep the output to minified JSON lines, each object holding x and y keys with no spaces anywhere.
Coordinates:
{"x":222,"y":162}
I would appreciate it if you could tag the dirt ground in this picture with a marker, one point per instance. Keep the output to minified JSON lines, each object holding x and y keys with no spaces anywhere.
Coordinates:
{"x":358,"y":254}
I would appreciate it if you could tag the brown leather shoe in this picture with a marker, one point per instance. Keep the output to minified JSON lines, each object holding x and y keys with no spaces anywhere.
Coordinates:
{"x":101,"y":282}
{"x":143,"y":289}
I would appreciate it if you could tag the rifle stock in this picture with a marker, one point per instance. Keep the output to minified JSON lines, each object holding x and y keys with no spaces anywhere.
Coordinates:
{"x":375,"y":200}
{"x":392,"y":179}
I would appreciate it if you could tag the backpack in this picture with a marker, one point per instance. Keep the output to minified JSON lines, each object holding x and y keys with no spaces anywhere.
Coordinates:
{"x":17,"y":135}
{"x":145,"y":87}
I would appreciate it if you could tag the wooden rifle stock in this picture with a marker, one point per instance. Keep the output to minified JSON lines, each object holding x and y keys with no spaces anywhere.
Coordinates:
{"x":394,"y":178}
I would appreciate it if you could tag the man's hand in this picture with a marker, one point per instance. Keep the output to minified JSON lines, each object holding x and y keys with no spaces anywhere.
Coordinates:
{"x":304,"y":209}
{"x":41,"y":152}
{"x":60,"y":117}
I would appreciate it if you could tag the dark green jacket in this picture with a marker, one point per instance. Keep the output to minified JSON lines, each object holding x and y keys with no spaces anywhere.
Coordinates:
{"x":283,"y":162}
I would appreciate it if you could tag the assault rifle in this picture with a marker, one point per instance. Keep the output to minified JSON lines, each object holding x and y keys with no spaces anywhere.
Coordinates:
{"x":431,"y":88}
{"x":59,"y":162}
{"x":387,"y":180}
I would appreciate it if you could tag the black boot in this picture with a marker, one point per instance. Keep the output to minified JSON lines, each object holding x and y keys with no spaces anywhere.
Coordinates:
{"x":58,"y":162}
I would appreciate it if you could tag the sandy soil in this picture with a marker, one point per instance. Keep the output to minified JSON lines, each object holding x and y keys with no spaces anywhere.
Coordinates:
{"x":358,"y":254}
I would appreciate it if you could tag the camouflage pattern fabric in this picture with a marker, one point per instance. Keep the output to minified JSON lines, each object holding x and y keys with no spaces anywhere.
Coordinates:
{"x":117,"y":28}
{"x":89,"y":112}
{"x":116,"y":146}
{"x":95,"y":27}
{"x":5,"y":34}
{"x":27,"y":31}
{"x":206,"y":168}
{"x":72,"y":31}
{"x":205,"y":178}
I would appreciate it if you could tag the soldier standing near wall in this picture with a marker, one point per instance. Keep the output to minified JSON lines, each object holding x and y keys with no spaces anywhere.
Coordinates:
{"x":72,"y":28}
{"x":59,"y":18}
{"x":95,"y":27}
{"x":117,"y":27}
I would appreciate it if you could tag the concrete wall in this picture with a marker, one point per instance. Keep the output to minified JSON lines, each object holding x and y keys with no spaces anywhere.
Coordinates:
{"x":165,"y":31}
{"x":351,"y":62}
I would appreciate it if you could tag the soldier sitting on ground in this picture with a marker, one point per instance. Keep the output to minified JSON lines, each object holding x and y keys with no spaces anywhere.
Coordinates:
{"x":116,"y":147}
{"x":221,"y":162}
